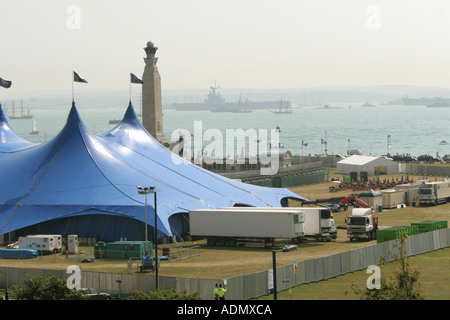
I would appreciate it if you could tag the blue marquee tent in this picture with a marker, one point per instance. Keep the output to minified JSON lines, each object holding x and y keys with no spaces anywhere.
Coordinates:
{"x":83,"y":183}
{"x":9,"y":140}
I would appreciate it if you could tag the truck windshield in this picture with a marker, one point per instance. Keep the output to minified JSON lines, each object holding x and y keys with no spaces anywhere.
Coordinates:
{"x":357,"y":221}
{"x":325,"y":214}
{"x":425,"y":191}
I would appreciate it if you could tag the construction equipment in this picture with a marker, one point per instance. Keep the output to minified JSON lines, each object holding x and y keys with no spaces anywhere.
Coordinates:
{"x":353,"y":199}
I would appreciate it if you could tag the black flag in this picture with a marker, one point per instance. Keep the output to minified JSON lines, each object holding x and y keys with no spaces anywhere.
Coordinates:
{"x":135,"y":79}
{"x":5,"y":83}
{"x":77,"y":78}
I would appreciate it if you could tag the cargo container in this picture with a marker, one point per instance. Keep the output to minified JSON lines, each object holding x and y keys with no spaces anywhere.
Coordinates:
{"x":121,"y":249}
{"x":430,"y":225}
{"x":236,"y":226}
{"x":393,"y":233}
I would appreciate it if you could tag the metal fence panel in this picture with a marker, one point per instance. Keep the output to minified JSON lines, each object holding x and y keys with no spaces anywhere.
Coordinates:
{"x":336,"y":265}
{"x":327,"y":267}
{"x":255,"y":285}
{"x":318,"y":266}
{"x":436,"y":240}
{"x":310,"y":274}
{"x":354,"y":260}
{"x":301,"y":273}
{"x":345,"y":262}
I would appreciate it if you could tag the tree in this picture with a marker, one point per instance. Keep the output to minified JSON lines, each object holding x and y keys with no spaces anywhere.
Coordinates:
{"x":403,"y":284}
{"x":44,"y":288}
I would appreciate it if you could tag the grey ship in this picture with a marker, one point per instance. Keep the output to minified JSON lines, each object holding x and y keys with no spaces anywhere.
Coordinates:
{"x":215,"y":103}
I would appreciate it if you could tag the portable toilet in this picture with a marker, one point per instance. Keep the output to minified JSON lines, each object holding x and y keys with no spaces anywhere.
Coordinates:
{"x":72,"y":244}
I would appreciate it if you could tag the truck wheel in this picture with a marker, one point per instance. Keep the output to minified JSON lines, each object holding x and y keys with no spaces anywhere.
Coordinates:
{"x":222,"y":242}
{"x":211,"y":241}
{"x":232,"y":242}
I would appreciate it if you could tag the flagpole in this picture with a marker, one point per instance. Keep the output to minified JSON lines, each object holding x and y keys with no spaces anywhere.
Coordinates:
{"x":73,"y":98}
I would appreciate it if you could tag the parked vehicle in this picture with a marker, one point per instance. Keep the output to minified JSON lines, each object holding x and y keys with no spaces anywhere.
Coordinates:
{"x":434,"y":192}
{"x":44,"y":243}
{"x":362,"y":225}
{"x":318,"y":222}
{"x":93,"y":294}
{"x":236,"y":226}
{"x":337,"y":206}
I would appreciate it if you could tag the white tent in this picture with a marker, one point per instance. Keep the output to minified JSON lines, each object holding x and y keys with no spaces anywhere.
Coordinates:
{"x":370,"y":164}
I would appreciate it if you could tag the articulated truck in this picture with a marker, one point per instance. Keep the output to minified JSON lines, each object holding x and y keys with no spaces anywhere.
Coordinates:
{"x":237,"y":226}
{"x":434,"y":192}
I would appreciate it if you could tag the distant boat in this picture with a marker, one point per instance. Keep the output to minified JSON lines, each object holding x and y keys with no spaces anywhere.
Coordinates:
{"x":215,"y":103}
{"x":285,"y":111}
{"x":114,"y":121}
{"x":22,"y":114}
{"x":443,"y":142}
{"x":34,"y":129}
{"x":424,"y":101}
{"x":368,"y":105}
{"x":327,"y":107}
{"x":244,"y":109}
{"x":441,"y":104}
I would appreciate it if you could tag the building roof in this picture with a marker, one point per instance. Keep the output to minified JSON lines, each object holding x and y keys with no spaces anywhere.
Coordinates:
{"x":358,"y":160}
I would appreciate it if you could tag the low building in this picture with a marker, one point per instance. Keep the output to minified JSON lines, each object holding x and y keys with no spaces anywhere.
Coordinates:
{"x":370,"y":164}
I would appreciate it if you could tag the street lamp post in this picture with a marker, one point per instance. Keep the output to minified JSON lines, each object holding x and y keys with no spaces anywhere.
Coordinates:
{"x":145,"y":191}
{"x":155,"y":237}
{"x":274,"y":264}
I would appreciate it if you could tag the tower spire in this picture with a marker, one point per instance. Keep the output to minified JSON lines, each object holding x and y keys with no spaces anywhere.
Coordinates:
{"x":151,"y":96}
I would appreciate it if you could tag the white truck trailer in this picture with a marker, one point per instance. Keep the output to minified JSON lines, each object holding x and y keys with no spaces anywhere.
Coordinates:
{"x":362,"y":225}
{"x":318,"y":222}
{"x":236,"y":226}
{"x":44,"y":243}
{"x":434,"y":192}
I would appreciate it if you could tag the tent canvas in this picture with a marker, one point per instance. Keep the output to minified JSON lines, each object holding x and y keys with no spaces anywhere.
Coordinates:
{"x":79,"y":174}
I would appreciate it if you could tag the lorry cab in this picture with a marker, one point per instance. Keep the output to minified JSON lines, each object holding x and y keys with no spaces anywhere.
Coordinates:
{"x":361,"y":224}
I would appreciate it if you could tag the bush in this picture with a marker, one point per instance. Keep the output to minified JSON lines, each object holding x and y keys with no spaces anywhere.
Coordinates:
{"x":44,"y":288}
{"x":164,"y":294}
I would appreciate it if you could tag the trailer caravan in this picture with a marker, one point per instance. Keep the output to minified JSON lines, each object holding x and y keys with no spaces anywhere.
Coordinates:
{"x":44,"y":243}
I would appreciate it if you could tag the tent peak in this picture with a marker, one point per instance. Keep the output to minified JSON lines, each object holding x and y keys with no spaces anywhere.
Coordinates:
{"x":130,"y":114}
{"x":73,"y":114}
{"x":2,"y":115}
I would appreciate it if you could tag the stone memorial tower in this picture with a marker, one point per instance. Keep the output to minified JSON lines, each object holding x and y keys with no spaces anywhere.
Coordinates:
{"x":151,"y":96}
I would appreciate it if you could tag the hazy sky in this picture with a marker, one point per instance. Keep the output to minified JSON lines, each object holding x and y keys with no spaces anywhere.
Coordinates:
{"x":236,"y":43}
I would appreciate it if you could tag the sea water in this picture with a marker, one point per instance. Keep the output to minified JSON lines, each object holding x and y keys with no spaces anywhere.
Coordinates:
{"x":378,"y":130}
